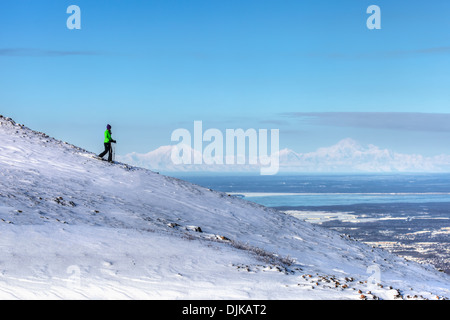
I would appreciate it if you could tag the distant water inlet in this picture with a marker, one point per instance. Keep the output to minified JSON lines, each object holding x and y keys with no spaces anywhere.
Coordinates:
{"x":413,"y":225}
{"x":323,"y":199}
{"x":408,"y":215}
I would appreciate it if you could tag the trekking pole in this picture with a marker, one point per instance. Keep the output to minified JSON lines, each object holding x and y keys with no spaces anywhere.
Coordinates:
{"x":113,"y":151}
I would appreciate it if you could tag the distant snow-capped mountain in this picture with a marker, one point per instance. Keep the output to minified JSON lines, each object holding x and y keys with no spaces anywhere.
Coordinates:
{"x":350,"y":156}
{"x":345,"y":156}
{"x":160,"y":159}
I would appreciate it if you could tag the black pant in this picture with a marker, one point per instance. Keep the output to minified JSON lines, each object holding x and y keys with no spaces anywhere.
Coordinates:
{"x":107,"y":149}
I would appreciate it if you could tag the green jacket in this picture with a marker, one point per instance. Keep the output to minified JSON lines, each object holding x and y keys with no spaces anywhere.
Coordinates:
{"x":108,"y":138}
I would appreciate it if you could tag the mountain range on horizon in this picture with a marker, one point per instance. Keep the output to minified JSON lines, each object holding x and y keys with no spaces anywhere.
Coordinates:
{"x":347,"y":155}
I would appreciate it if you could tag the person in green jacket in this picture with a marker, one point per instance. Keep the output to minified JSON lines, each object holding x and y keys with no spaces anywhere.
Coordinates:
{"x":107,"y":142}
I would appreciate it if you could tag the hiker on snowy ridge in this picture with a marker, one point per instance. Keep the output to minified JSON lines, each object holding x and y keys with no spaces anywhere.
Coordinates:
{"x":107,"y":142}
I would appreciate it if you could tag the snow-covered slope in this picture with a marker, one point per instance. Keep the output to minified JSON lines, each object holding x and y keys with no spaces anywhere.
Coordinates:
{"x":72,"y":226}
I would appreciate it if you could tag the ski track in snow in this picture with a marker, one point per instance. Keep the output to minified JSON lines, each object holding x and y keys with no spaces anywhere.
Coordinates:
{"x":74,"y":227}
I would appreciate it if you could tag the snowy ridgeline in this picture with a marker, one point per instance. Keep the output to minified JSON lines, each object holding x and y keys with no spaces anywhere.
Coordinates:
{"x":345,"y":156}
{"x":72,"y":226}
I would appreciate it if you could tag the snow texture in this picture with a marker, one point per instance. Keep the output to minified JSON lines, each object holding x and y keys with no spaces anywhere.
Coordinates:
{"x":75,"y":227}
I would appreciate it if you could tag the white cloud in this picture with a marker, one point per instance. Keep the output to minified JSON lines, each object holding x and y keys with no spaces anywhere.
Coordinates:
{"x":404,"y":121}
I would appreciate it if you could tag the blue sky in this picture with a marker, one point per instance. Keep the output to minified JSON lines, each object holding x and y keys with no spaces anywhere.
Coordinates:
{"x":308,"y":68}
